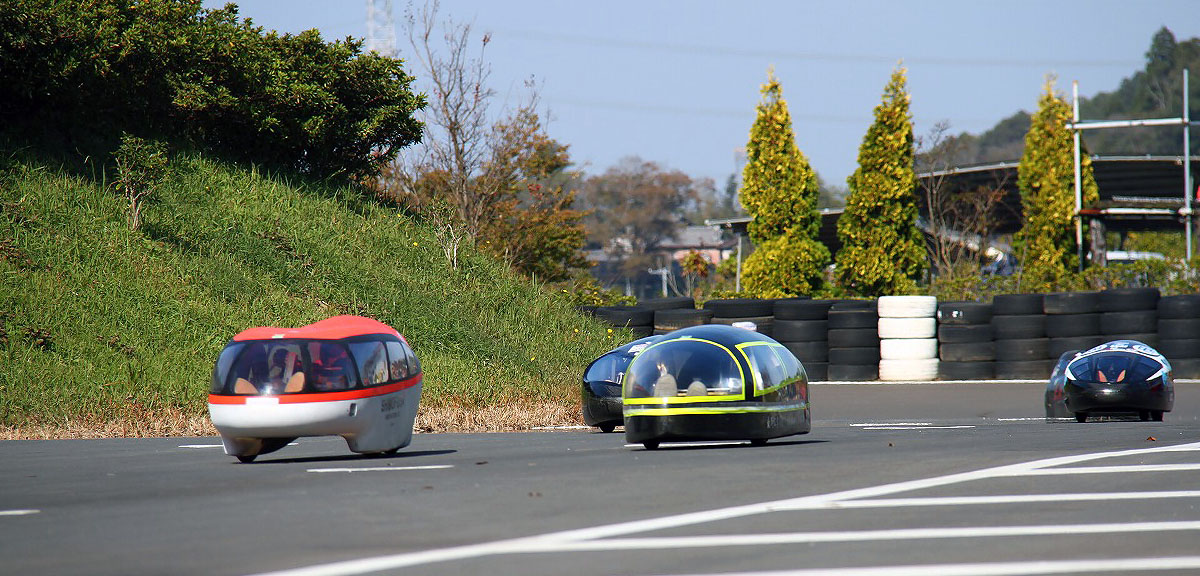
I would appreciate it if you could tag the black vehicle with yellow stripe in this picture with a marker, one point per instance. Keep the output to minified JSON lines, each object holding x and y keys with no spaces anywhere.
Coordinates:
{"x":714,"y":382}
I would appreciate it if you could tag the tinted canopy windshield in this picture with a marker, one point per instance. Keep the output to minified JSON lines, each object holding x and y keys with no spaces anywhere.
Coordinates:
{"x":684,"y":367}
{"x":1111,"y":367}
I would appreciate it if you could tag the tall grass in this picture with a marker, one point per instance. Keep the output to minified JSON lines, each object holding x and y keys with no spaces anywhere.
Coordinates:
{"x":105,"y":327}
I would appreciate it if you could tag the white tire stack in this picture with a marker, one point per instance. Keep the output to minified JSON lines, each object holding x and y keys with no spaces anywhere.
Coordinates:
{"x":908,"y":346}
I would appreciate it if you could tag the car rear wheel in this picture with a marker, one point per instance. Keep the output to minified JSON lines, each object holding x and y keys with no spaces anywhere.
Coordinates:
{"x":609,"y":427}
{"x":1157,"y":415}
{"x":758,"y":442}
{"x":1081,"y":416}
{"x":247,"y":459}
{"x":651,"y":444}
{"x":1144,"y":415}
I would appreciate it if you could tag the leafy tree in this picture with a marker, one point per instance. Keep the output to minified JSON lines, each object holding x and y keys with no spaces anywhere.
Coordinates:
{"x":1045,"y":244}
{"x":74,"y":76}
{"x":141,"y":169}
{"x":632,"y":208}
{"x":883,"y":251}
{"x":780,"y":191}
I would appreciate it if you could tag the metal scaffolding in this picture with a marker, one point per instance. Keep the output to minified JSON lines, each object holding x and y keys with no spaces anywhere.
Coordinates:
{"x":1185,"y":159}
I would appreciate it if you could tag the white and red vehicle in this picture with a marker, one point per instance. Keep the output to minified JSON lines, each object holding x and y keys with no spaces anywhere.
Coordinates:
{"x":346,"y":376}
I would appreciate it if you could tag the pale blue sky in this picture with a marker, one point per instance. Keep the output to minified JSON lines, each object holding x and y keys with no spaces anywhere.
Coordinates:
{"x":676,"y":82}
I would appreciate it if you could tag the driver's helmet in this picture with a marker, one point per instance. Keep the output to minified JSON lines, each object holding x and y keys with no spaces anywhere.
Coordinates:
{"x":1111,"y":367}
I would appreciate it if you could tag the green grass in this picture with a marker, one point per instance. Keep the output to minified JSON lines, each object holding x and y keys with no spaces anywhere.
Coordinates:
{"x":100,"y":323}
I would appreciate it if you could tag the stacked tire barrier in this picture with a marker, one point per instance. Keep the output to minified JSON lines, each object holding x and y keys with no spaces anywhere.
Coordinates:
{"x":671,"y":314}
{"x":853,"y":340}
{"x":1020,"y":346}
{"x":966,"y":350}
{"x":803,"y":327}
{"x":1179,"y":333}
{"x":908,"y":344}
{"x":731,"y":310}
{"x":1130,"y":314}
{"x":639,"y":320}
{"x":1072,"y":323}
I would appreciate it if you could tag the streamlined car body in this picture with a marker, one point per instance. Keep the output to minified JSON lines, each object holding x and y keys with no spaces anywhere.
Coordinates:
{"x":347,"y":376}
{"x":1118,"y":377}
{"x":602,"y":379}
{"x":714,"y":382}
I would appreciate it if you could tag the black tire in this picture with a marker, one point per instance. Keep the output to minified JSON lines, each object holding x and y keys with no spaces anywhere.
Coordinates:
{"x":247,"y":459}
{"x":642,"y":331}
{"x":1022,"y":349}
{"x":608,"y":427}
{"x":1060,"y":345}
{"x":791,"y":309}
{"x":1128,"y":299}
{"x":1017,"y":304}
{"x":1180,"y":306}
{"x":1148,"y":338}
{"x":758,"y":441}
{"x":853,"y":372}
{"x":839,"y":319}
{"x":1156,"y":415}
{"x":1178,"y":349}
{"x":814,"y":351}
{"x":1071,"y":303}
{"x":1129,"y":322}
{"x":816,"y":371}
{"x":964,"y":313}
{"x":854,"y":338}
{"x":1178,"y":328}
{"x":854,"y":356}
{"x":853,"y":304}
{"x":1005,"y":327}
{"x":1188,"y":368}
{"x":962,"y":333}
{"x":740,"y":307}
{"x":800,"y":330}
{"x":967,"y":352}
{"x":681,"y":302}
{"x":676,"y":318}
{"x":966,"y":370}
{"x":1069,"y":325}
{"x":1081,"y":417}
{"x":651,"y":444}
{"x":1024,"y":370}
{"x":1144,"y":415}
{"x":762,"y":324}
{"x":625,"y":315}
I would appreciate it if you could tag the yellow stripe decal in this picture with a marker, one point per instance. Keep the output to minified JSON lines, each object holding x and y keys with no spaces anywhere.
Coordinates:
{"x":684,"y":399}
{"x":631,"y":412}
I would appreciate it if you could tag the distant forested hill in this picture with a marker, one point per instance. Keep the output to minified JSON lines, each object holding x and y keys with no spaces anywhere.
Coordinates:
{"x":1153,"y":92}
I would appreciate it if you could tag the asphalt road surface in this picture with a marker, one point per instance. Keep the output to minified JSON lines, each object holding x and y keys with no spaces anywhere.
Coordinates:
{"x":940,"y":479}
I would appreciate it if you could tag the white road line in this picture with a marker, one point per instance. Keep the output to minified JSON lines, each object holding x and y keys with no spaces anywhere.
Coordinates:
{"x":894,"y":424}
{"x":382,"y":468}
{"x":1041,"y":419}
{"x":1005,"y":499}
{"x":1109,"y":469}
{"x":915,"y":427}
{"x":572,"y":427}
{"x":201,"y":446}
{"x":520,"y":545}
{"x":675,"y":543}
{"x":1120,"y":565}
{"x":18,"y":512}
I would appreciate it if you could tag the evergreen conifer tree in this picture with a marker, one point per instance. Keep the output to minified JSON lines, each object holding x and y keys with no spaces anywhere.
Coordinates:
{"x":1045,"y":245}
{"x":779,"y":190}
{"x":883,"y":251}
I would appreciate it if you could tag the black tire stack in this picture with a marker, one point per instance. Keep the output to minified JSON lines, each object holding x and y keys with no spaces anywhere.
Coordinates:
{"x":1019,"y":337}
{"x":965,"y":341}
{"x":803,"y":327}
{"x":639,"y":320}
{"x":1179,"y":333}
{"x":853,"y":340}
{"x":1130,"y":314}
{"x":671,"y":314}
{"x":731,"y":310}
{"x":1072,"y":323}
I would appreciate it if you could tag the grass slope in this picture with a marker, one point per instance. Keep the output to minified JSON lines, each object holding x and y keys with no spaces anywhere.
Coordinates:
{"x":108,"y":331}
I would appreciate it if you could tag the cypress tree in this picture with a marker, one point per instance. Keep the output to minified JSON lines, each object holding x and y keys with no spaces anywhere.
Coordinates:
{"x":779,"y":190}
{"x":1046,"y":177}
{"x":883,"y":251}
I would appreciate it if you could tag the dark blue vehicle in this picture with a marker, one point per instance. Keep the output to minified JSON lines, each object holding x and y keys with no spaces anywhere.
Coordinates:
{"x":602,"y":384}
{"x":1118,"y":377}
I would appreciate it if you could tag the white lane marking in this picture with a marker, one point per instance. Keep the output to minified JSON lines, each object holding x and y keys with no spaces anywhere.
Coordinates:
{"x":1123,"y":565}
{"x":1006,"y":499}
{"x":18,"y":512}
{"x":201,"y":446}
{"x":561,"y":428}
{"x":894,"y":424}
{"x":915,"y":427}
{"x":519,"y":545}
{"x":695,"y":444}
{"x":1041,"y":419}
{"x":673,"y":543}
{"x":1110,"y":469}
{"x":382,"y":468}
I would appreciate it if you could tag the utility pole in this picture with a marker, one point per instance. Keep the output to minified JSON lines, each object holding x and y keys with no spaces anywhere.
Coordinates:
{"x":663,"y":273}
